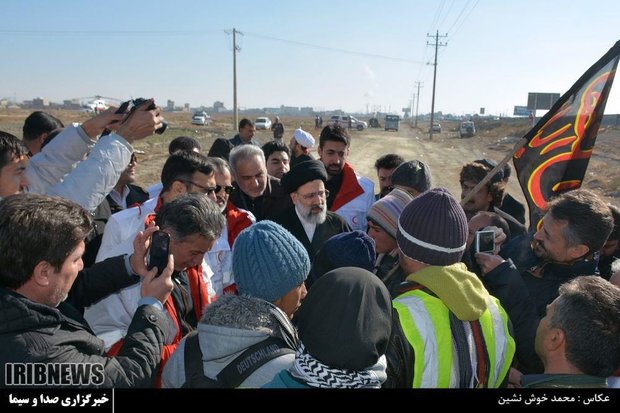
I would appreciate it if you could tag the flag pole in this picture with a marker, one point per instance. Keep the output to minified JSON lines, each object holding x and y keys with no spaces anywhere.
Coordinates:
{"x":500,"y":166}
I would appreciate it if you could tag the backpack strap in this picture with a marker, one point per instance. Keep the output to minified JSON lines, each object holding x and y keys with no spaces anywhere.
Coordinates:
{"x":238,"y":370}
{"x":242,"y":367}
{"x":194,"y":376}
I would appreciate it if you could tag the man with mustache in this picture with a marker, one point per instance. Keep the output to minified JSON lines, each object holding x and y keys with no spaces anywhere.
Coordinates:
{"x":308,"y":219}
{"x":255,"y":190}
{"x":489,"y":197}
{"x":565,"y":246}
{"x":237,"y":219}
{"x":351,"y":195}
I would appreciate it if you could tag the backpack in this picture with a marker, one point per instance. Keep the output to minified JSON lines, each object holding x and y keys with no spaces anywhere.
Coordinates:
{"x":246,"y":363}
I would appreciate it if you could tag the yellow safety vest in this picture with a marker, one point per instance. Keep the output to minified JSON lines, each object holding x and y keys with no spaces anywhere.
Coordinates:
{"x":426,"y":325}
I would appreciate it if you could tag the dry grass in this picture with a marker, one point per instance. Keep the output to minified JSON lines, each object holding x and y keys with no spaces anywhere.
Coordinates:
{"x":445,"y":154}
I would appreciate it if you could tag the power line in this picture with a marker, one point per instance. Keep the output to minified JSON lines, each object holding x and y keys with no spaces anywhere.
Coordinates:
{"x":333,"y":49}
{"x":459,"y":16}
{"x":109,"y":32}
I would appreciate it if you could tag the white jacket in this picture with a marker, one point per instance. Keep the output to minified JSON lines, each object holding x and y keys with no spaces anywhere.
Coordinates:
{"x":121,"y":229}
{"x":60,"y":168}
{"x":355,"y":211}
{"x":110,"y":317}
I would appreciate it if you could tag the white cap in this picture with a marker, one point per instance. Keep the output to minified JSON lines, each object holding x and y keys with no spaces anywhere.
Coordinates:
{"x":303,"y":138}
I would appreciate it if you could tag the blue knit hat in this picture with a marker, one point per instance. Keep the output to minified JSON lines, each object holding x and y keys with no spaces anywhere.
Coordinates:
{"x":347,"y":249}
{"x":268,"y":261}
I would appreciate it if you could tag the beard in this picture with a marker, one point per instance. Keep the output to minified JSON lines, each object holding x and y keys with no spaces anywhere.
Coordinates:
{"x":57,"y":297}
{"x":539,"y":250}
{"x":221,"y":203}
{"x":314,"y":214}
{"x":334,"y":169}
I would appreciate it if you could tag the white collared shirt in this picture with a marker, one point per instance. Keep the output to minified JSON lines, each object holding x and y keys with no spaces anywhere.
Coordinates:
{"x":120,"y":199}
{"x":309,"y":227}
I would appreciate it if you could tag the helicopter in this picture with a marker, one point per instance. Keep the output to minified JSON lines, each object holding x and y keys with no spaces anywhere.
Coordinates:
{"x":96,"y":104}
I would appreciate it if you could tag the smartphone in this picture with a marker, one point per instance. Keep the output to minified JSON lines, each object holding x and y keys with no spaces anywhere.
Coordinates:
{"x":485,"y":241}
{"x":158,"y":253}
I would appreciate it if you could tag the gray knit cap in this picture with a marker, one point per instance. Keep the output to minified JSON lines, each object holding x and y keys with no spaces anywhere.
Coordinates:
{"x":432,"y":229}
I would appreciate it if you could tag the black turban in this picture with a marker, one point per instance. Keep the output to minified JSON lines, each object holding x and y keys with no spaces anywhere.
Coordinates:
{"x":302,"y":173}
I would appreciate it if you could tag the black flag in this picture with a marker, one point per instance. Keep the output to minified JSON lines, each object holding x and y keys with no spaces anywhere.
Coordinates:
{"x":555,"y":158}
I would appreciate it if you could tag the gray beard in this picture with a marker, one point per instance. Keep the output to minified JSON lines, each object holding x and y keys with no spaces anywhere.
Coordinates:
{"x":310,"y":217}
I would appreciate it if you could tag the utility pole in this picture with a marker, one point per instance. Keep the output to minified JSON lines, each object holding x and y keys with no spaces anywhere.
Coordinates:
{"x":235,"y":49}
{"x":437,"y":44}
{"x":417,"y":104}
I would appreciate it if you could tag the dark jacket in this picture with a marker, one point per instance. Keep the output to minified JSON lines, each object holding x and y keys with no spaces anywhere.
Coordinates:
{"x":505,"y":283}
{"x":236,"y":141}
{"x":38,"y":333}
{"x":273,"y":201}
{"x":525,"y":288}
{"x":513,"y":208}
{"x":334,"y":224}
{"x":299,"y":159}
{"x":136,"y":196}
{"x":278,"y":130}
{"x":543,"y":279}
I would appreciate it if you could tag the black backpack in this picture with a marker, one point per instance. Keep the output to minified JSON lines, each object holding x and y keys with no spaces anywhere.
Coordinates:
{"x":246,"y":363}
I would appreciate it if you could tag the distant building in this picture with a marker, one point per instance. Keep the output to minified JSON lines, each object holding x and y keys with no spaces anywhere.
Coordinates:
{"x":218,"y":106}
{"x":186,"y":107}
{"x":40,"y":103}
{"x":170,"y":105}
{"x":71,"y":104}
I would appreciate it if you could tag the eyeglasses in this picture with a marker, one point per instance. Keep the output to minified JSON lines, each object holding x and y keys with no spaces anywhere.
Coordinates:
{"x":205,"y":190}
{"x":228,"y":189}
{"x":311,"y":195}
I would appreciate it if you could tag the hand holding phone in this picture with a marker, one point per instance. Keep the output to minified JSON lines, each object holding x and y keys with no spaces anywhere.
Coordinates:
{"x":485,"y":241}
{"x":159,"y":251}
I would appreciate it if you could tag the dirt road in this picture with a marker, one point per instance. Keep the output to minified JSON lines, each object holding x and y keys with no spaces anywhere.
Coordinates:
{"x":445,"y":154}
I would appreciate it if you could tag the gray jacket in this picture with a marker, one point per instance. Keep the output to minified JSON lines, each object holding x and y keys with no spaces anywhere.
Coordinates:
{"x":228,"y":327}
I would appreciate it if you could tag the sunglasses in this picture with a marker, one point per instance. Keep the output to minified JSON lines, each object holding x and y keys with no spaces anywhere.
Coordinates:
{"x":228,"y":189}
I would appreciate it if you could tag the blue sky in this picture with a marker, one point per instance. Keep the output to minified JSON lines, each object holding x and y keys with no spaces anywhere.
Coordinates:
{"x":295,"y":53}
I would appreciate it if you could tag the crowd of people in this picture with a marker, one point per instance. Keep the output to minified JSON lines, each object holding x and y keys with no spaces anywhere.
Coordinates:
{"x":286,"y":271}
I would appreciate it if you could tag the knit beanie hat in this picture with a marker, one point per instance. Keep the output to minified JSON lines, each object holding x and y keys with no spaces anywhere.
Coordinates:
{"x":268,"y":261}
{"x":414,"y":174}
{"x":347,"y":249}
{"x":386,"y":211}
{"x":432,"y":229}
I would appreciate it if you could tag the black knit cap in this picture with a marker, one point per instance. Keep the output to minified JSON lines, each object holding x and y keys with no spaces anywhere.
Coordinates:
{"x":432,"y":229}
{"x":414,"y":174}
{"x":302,"y":173}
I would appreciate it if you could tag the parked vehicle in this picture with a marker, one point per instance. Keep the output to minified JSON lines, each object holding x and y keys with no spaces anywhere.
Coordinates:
{"x":467,"y":129}
{"x":262,"y":123}
{"x":201,"y":118}
{"x":436,"y":127}
{"x":392,"y":122}
{"x":348,"y":122}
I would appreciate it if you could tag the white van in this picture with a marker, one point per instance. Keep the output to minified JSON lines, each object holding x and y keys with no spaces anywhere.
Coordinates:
{"x":467,"y":129}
